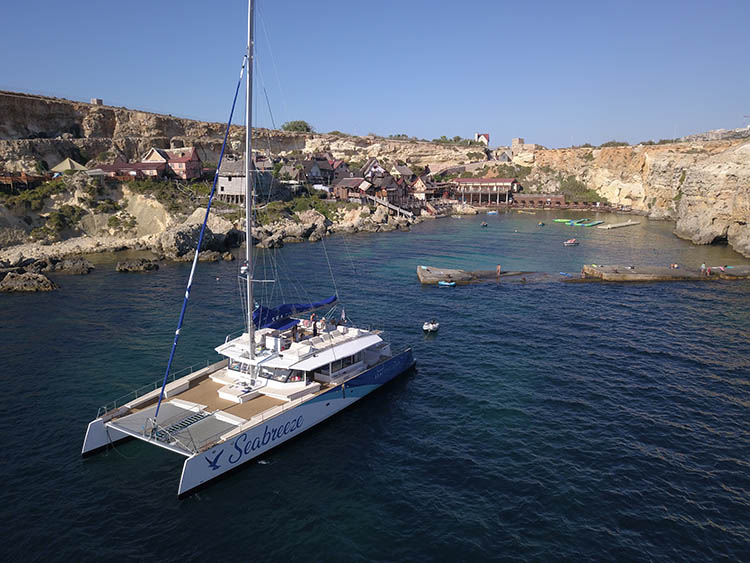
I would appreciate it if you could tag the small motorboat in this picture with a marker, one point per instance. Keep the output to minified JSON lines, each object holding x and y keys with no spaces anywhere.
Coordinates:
{"x":492,"y":213}
{"x":484,"y":224}
{"x":446,"y":283}
{"x":571,"y":242}
{"x":431,"y":326}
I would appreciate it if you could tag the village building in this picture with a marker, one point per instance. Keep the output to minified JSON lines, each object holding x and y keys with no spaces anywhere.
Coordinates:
{"x":402,"y":171}
{"x":182,"y":162}
{"x":371,"y":168}
{"x":483,"y":138}
{"x":518,"y":146}
{"x":325,"y":171}
{"x":423,"y":188}
{"x":341,"y":170}
{"x":230,"y":186}
{"x":353,"y":189}
{"x":136,"y":170}
{"x":503,"y":154}
{"x":485,"y":191}
{"x":538,"y":200}
{"x":68,"y":164}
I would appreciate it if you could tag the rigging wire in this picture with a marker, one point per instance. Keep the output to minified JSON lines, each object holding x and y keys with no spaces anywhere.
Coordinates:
{"x":198,"y":247}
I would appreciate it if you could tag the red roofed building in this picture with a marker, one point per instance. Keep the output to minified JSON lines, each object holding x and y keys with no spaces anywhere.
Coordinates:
{"x":134,"y":169}
{"x":181,"y":162}
{"x":483,"y":138}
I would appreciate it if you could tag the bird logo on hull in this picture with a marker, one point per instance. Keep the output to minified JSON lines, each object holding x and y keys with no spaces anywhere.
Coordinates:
{"x":214,"y":464}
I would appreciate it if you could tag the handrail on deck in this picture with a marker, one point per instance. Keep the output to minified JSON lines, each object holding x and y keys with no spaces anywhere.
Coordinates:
{"x":141,"y":391}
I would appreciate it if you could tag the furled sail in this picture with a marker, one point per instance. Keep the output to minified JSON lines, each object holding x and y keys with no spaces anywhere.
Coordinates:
{"x":278,"y":317}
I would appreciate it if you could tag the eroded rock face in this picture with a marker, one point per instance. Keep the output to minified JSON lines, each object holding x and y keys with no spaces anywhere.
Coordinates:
{"x":179,"y":240}
{"x":715,"y":200}
{"x":26,"y":283}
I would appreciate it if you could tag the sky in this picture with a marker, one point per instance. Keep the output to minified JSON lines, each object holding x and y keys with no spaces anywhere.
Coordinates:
{"x":555,"y":73}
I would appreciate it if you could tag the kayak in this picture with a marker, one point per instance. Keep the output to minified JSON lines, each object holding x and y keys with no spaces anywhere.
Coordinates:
{"x":446,"y":284}
{"x":593,"y":223}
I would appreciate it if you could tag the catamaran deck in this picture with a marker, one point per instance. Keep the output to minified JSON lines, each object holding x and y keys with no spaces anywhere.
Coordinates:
{"x":213,"y":404}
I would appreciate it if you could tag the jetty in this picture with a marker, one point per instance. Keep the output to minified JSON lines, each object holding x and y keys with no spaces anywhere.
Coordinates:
{"x":623,"y":273}
{"x":627,"y":223}
{"x":429,"y":275}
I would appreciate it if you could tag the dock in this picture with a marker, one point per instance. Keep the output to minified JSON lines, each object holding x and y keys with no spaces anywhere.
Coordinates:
{"x":429,"y":275}
{"x":622,"y":273}
{"x":627,"y":223}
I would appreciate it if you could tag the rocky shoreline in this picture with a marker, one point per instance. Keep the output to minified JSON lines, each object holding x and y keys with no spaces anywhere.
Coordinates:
{"x":23,"y":267}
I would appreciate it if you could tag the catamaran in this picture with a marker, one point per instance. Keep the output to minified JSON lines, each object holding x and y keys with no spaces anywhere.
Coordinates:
{"x":283,"y":374}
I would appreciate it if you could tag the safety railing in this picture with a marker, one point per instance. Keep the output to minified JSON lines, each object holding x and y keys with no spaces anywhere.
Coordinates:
{"x":141,"y":391}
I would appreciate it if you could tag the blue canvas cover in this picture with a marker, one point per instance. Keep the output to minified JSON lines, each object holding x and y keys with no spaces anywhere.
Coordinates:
{"x":278,"y":317}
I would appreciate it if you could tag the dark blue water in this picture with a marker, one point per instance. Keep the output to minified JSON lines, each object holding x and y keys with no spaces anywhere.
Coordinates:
{"x":546,"y":421}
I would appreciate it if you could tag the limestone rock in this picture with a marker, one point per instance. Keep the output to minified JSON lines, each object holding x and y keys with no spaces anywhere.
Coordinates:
{"x":74,"y":266}
{"x":137,"y":265}
{"x":179,"y":240}
{"x":216,"y":223}
{"x":26,"y":282}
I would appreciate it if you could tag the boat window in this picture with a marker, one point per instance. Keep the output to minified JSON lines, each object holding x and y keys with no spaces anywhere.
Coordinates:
{"x":239,"y":366}
{"x":336,"y":366}
{"x":296,"y":375}
{"x":278,"y":374}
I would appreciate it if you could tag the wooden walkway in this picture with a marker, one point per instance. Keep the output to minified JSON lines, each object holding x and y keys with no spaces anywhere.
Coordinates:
{"x":389,"y":205}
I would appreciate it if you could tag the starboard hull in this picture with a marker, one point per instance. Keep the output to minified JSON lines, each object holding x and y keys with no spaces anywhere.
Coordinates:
{"x":206,"y":466}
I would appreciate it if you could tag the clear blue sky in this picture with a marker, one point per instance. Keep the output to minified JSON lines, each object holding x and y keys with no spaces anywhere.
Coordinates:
{"x":552,"y":72}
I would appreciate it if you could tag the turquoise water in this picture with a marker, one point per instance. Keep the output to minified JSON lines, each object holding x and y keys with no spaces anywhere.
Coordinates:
{"x":546,"y":421}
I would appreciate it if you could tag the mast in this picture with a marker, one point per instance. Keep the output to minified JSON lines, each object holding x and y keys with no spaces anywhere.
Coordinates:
{"x":249,"y":184}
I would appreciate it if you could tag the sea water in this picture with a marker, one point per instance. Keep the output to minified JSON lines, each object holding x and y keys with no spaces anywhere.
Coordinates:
{"x":545,"y":421}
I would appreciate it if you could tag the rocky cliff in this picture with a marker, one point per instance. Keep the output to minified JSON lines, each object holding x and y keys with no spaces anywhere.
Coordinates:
{"x":701,"y":184}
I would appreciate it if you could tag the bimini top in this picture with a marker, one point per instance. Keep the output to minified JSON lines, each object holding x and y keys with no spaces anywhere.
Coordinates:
{"x":307,"y":354}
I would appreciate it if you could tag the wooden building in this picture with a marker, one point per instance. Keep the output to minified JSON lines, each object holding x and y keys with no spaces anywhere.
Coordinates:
{"x":485,"y":191}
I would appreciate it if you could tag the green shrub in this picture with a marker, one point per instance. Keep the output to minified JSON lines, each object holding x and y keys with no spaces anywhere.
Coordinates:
{"x":614,"y":144}
{"x":34,"y":198}
{"x":106,"y":206}
{"x":575,"y":190}
{"x":297,"y":126}
{"x":66,"y":217}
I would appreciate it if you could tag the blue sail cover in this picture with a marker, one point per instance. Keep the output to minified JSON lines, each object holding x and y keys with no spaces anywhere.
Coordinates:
{"x":278,"y":317}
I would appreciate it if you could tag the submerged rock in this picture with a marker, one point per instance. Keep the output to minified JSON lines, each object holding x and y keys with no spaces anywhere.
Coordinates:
{"x":137,"y":265}
{"x":26,"y":282}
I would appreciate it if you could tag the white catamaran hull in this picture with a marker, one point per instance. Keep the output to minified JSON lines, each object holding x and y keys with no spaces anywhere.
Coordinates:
{"x":205,"y":466}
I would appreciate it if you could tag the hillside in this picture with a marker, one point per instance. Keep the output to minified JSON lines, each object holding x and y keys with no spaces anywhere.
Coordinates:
{"x":701,"y":184}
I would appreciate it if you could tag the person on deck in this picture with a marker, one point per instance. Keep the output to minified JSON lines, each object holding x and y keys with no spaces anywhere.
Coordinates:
{"x":703,"y":269}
